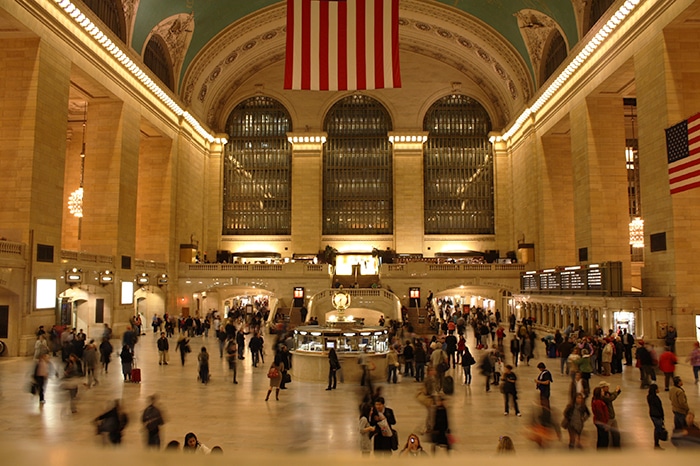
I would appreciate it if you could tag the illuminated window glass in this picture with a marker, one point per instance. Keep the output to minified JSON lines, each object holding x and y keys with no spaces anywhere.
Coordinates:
{"x":357,"y":169}
{"x":258,"y":170}
{"x":157,"y":59}
{"x":111,"y":12}
{"x":458,"y":168}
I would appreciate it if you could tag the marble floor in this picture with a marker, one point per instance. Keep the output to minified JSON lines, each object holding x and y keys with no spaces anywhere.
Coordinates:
{"x":306,"y":419}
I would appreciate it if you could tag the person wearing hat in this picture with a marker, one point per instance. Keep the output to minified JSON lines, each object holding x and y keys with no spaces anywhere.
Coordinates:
{"x":679,"y":403}
{"x":608,"y":398}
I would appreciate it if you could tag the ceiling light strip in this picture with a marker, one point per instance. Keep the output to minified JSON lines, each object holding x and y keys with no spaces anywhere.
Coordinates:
{"x":574,"y":65}
{"x":129,"y":65}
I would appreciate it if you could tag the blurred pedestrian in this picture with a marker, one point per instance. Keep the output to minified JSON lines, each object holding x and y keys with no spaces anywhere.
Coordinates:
{"x":152,"y":419}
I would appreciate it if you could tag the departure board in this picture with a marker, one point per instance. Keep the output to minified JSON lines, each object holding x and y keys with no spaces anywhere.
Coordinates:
{"x":594,"y":278}
{"x":528,"y":282}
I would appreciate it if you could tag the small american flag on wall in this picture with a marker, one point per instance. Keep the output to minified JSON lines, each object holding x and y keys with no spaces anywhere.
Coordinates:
{"x":683,"y":146}
{"x":342,"y":45}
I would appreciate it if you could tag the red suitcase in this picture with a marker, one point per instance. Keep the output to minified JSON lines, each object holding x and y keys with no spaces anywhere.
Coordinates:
{"x":136,"y":375}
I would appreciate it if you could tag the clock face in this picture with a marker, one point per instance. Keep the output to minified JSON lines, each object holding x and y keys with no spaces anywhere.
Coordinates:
{"x":341,"y":300}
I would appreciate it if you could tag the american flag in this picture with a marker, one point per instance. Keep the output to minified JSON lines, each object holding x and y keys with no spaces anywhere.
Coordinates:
{"x":683,"y":146}
{"x":342,"y":45}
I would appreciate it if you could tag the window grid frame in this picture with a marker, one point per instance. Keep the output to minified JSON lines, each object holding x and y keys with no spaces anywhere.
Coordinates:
{"x":458,"y":149}
{"x":358,"y":191}
{"x":257,"y":188}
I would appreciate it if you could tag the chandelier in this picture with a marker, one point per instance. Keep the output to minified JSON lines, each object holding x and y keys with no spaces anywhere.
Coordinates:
{"x":637,"y":233}
{"x":75,"y":203}
{"x":75,"y":199}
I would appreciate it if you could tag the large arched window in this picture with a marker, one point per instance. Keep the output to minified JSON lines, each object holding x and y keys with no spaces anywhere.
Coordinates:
{"x":258,"y":170}
{"x":157,"y":59}
{"x":357,"y":169}
{"x":458,"y":168}
{"x":596,"y":10}
{"x":555,"y":53}
{"x":111,"y":12}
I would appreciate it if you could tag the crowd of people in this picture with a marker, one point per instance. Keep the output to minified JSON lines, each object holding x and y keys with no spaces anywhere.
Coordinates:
{"x":434,"y":361}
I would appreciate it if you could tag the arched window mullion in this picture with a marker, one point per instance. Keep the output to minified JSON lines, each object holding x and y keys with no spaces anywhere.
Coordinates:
{"x":458,"y":173}
{"x":257,"y":170}
{"x":357,"y":168}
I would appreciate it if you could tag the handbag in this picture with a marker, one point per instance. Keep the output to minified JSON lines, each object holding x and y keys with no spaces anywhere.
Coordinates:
{"x":394,"y":440}
{"x":273,"y":373}
{"x":287,"y":378}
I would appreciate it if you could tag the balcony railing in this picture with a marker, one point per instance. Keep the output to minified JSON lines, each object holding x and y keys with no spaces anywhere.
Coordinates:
{"x":11,"y":249}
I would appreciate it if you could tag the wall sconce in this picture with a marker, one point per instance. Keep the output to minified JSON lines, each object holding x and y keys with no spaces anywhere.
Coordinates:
{"x":106,"y":277}
{"x":142,"y":279}
{"x":74,"y":276}
{"x":162,"y":279}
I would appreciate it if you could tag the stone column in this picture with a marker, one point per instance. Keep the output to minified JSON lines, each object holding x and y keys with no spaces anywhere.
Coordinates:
{"x":214,"y":181}
{"x":556,"y":234}
{"x":601,"y":212}
{"x":34,"y":90}
{"x":307,"y":191}
{"x":156,"y":202}
{"x":409,"y":221}
{"x":666,"y":71}
{"x":111,"y":179}
{"x":503,"y":196}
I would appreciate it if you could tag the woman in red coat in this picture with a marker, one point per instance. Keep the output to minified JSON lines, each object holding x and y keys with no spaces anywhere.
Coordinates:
{"x":601,"y":416}
{"x":667,"y":365}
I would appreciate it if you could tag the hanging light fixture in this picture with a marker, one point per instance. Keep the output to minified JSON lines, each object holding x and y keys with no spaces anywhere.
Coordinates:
{"x":637,"y":233}
{"x":75,"y":200}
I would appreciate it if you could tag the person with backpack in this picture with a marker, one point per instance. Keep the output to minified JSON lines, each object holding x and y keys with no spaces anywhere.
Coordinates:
{"x":152,"y":419}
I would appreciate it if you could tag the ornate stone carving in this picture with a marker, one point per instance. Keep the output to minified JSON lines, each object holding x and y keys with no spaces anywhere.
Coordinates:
{"x":177,"y":33}
{"x":580,"y":12}
{"x":488,"y":38}
{"x":535,"y":27}
{"x":130,"y":8}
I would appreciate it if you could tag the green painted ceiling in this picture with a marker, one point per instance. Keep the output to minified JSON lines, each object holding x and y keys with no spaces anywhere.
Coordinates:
{"x":212,"y":16}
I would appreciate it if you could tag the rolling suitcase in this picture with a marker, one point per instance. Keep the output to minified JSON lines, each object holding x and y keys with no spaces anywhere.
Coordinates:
{"x":135,"y":374}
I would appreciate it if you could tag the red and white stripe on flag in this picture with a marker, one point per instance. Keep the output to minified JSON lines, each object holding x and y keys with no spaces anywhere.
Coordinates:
{"x":342,"y":45}
{"x":683,"y":146}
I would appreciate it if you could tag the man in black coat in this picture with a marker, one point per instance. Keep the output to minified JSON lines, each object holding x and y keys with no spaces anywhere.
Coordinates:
{"x":565,"y":349}
{"x":283,"y":359}
{"x":382,"y":443}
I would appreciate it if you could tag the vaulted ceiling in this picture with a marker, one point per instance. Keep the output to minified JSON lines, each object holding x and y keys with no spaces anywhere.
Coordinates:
{"x":205,"y":19}
{"x":218,"y":45}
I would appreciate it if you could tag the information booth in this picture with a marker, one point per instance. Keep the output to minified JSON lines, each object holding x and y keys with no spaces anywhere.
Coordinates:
{"x":312,"y":344}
